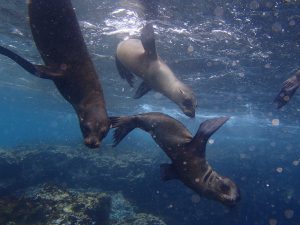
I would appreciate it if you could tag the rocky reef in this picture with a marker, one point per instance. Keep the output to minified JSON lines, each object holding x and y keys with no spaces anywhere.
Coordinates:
{"x":51,"y":204}
{"x":64,"y":185}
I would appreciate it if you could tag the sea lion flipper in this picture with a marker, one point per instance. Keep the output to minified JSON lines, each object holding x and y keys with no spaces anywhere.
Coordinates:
{"x":142,"y":90}
{"x":124,"y":125}
{"x":37,"y":70}
{"x":288,"y":89}
{"x":124,"y":72}
{"x":148,"y":41}
{"x":168,"y":172}
{"x":28,"y":66}
{"x":205,"y":130}
{"x":48,"y":72}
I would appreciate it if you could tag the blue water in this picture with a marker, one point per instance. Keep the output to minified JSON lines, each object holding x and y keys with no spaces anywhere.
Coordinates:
{"x":233,"y":54}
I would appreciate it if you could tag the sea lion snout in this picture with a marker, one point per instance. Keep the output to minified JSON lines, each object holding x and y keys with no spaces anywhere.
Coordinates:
{"x":92,"y":142}
{"x":94,"y":128}
{"x":188,"y":103}
{"x":189,"y":112}
{"x":226,"y":191}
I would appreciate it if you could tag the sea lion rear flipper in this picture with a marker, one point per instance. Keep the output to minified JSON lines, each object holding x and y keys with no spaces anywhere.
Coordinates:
{"x":37,"y":70}
{"x":148,"y":41}
{"x":205,"y":130}
{"x":168,"y":172}
{"x":142,"y":90}
{"x":124,"y":72}
{"x":124,"y":125}
{"x":288,"y":89}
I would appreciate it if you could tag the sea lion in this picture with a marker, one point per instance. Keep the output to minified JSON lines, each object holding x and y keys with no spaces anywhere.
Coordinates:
{"x":139,"y":57}
{"x":186,"y":152}
{"x":288,"y":89}
{"x":57,"y":36}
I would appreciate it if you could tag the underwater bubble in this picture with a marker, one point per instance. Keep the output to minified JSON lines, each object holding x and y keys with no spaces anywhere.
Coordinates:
{"x":273,"y":144}
{"x":254,"y":5}
{"x":243,"y":156}
{"x":195,"y":198}
{"x":279,"y":169}
{"x":286,"y":98}
{"x":269,"y":4}
{"x":241,"y":74}
{"x":219,"y":11}
{"x":157,"y":95}
{"x":289,"y":213}
{"x":197,"y":180}
{"x":268,"y":66}
{"x":211,"y":141}
{"x":292,"y":23}
{"x":251,"y":148}
{"x":275,"y":122}
{"x":276,"y":27}
{"x":184,"y":163}
{"x":272,"y":221}
{"x":170,"y":206}
{"x":190,"y":49}
{"x":296,"y":163}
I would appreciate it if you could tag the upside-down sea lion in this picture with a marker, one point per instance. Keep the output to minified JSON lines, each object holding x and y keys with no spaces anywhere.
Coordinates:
{"x":288,"y":89}
{"x":186,"y":152}
{"x":139,"y":57}
{"x":57,"y":35}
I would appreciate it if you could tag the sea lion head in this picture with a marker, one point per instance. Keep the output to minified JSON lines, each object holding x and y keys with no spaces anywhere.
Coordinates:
{"x":187,"y":101}
{"x":223,"y":190}
{"x":94,"y":126}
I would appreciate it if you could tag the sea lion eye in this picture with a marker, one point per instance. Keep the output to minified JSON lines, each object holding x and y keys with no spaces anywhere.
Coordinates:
{"x":224,"y":188}
{"x":87,"y":127}
{"x":187,"y":103}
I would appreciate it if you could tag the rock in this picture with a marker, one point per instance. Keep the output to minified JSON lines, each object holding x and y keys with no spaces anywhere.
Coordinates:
{"x":29,"y":171}
{"x":51,"y":205}
{"x":142,"y":219}
{"x":75,"y":167}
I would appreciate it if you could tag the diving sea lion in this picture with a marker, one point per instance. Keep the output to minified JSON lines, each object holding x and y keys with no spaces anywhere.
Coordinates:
{"x":288,"y":89}
{"x":186,"y":152}
{"x":139,"y":57}
{"x":57,"y":36}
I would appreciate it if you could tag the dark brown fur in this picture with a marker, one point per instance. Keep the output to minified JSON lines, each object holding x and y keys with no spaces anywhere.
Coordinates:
{"x":186,"y":152}
{"x":58,"y":37}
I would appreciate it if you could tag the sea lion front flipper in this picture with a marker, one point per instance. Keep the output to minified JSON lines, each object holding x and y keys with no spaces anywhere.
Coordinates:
{"x":142,"y":90}
{"x":37,"y":70}
{"x":288,"y":89}
{"x":124,"y":125}
{"x":168,"y":172}
{"x":124,"y":72}
{"x":48,"y":72}
{"x":205,"y":130}
{"x":148,"y":41}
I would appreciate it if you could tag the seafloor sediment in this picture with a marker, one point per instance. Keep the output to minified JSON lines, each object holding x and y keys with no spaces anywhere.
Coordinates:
{"x":65,"y":185}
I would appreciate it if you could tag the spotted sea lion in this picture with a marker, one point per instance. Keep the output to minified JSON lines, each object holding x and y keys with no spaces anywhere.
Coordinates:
{"x":139,"y":57}
{"x":58,"y":37}
{"x":288,"y":89}
{"x":186,"y":152}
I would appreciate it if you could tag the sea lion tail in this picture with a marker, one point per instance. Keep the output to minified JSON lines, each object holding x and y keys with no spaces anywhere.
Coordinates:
{"x":205,"y":130}
{"x":18,"y":59}
{"x":123,"y":126}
